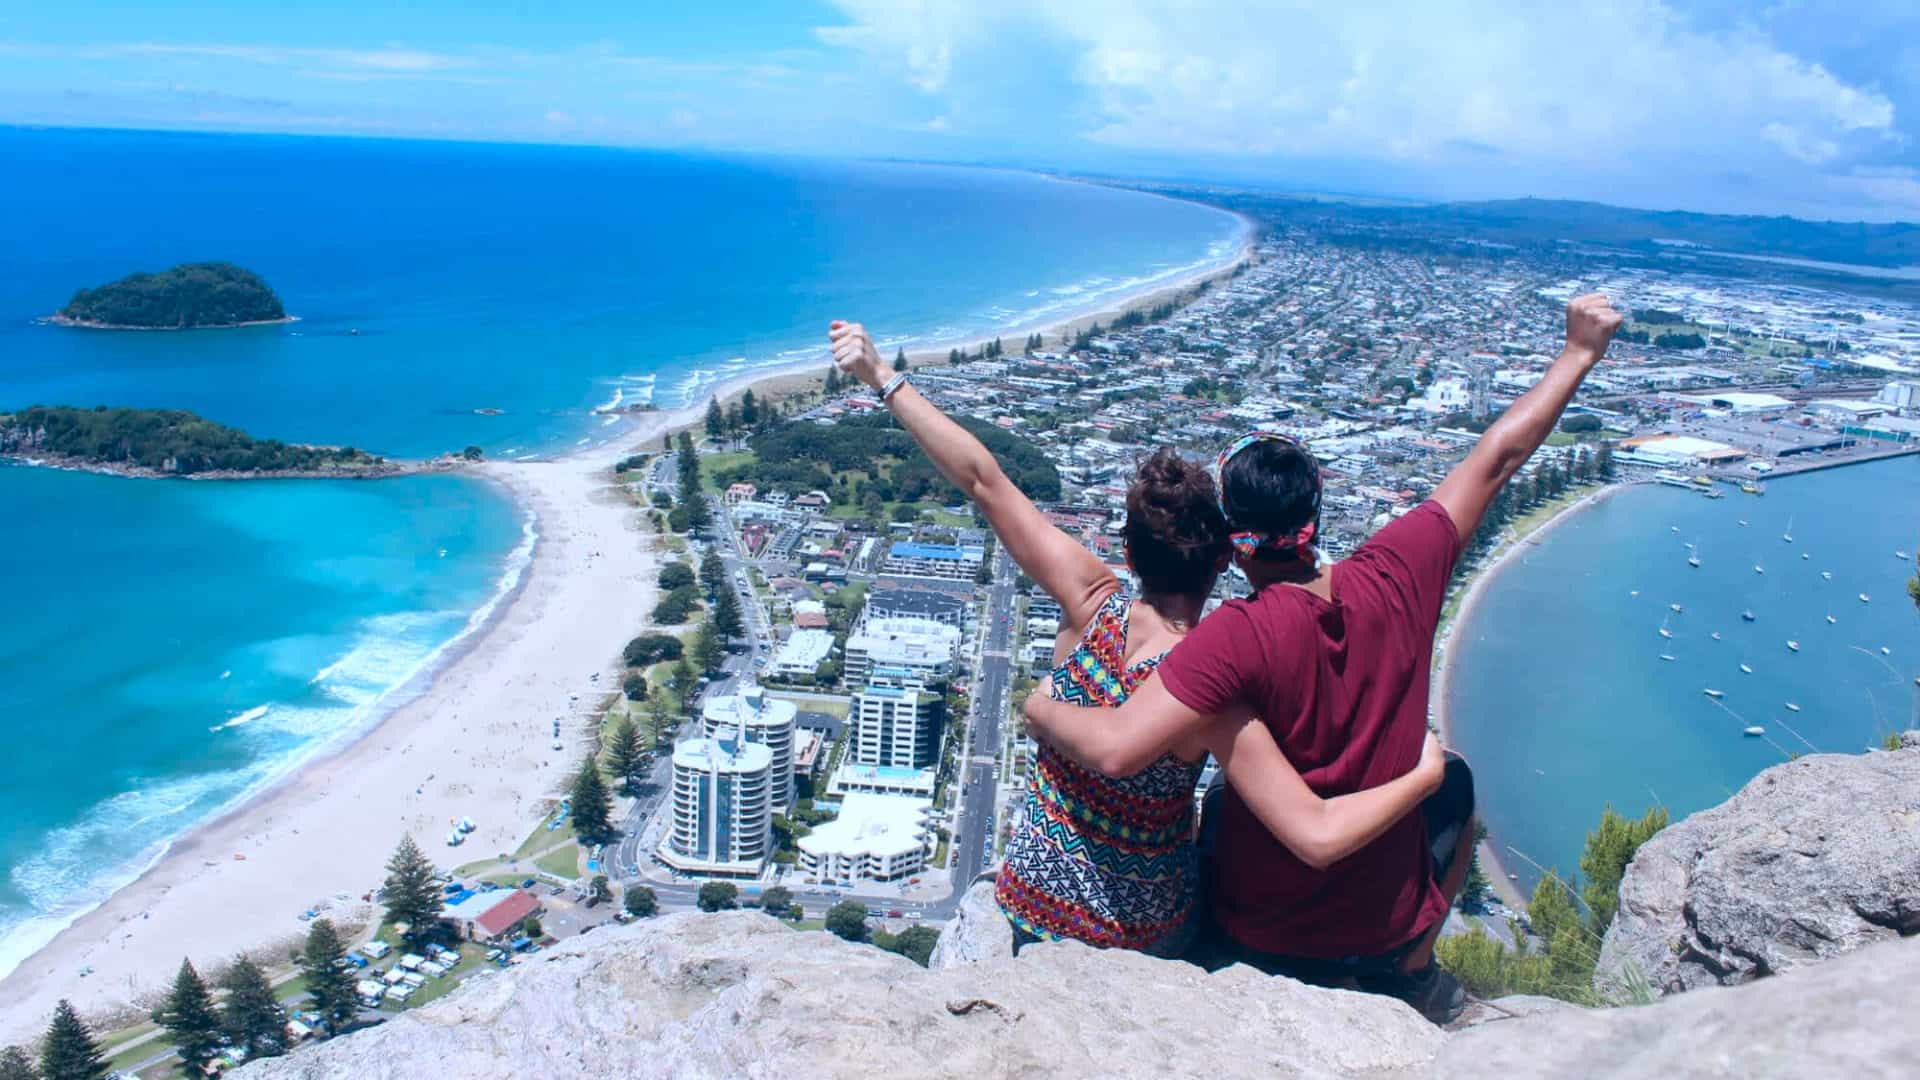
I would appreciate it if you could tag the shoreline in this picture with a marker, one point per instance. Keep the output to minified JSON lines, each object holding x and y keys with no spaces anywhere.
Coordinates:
{"x":57,"y":319}
{"x":1476,"y":589}
{"x":355,"y":786}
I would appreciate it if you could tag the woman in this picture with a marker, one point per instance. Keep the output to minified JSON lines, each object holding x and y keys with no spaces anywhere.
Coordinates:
{"x":1110,"y":860}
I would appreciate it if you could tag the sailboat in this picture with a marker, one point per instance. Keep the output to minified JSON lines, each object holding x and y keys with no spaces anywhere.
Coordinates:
{"x":1714,"y":694}
{"x":1668,"y":656}
{"x":1753,"y":731}
{"x":1791,"y":707}
{"x":1901,"y":555}
{"x":1804,"y":555}
{"x":1716,"y":635}
{"x":1788,"y":535}
{"x":1664,"y":632}
{"x":1792,"y":645}
{"x":1743,"y":523}
{"x":1675,"y":608}
{"x":1758,"y":569}
{"x":1865,"y":599}
{"x":1748,"y":615}
{"x":1831,"y":620}
{"x":1827,"y":574}
{"x":1693,"y":554}
{"x":1745,"y":668}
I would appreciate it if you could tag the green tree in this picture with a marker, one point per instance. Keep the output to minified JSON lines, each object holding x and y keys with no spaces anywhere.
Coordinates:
{"x":69,"y":1052}
{"x":592,"y":808}
{"x":1604,"y":861}
{"x":624,"y":753}
{"x":776,"y":901}
{"x":709,"y":651}
{"x":16,"y":1065}
{"x":651,"y":649}
{"x":634,"y":686}
{"x":915,"y":943}
{"x":531,"y":929}
{"x":726,"y":615}
{"x":833,"y":380}
{"x":674,"y":608}
{"x":329,"y":984}
{"x":1552,"y":909}
{"x":675,"y":574}
{"x":473,"y":453}
{"x":412,"y":895}
{"x":683,"y":679}
{"x":602,"y":890}
{"x":658,"y":713}
{"x":251,"y":1014}
{"x":640,"y":902}
{"x":713,"y":573}
{"x":900,"y":360}
{"x":190,"y":1019}
{"x":749,"y":410}
{"x":847,"y":920}
{"x":718,"y":896}
{"x":716,"y":420}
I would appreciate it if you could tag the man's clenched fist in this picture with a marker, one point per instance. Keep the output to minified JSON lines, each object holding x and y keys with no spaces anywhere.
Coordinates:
{"x":854,"y":354}
{"x":1591,"y":322}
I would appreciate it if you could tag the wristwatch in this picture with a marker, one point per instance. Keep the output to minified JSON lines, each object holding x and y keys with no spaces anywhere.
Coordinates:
{"x":887,"y":388}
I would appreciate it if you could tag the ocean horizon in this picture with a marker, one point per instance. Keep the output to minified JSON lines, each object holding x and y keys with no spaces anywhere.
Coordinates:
{"x":1558,"y":693}
{"x":178,"y":646}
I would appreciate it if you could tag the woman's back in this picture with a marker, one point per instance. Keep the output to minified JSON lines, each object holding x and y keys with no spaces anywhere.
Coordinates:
{"x":1104,"y":860}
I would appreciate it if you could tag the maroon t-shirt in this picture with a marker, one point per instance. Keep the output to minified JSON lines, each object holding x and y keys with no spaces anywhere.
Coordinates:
{"x":1343,"y":688}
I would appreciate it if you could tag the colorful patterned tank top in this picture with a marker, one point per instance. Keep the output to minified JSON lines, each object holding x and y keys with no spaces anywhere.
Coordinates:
{"x":1107,"y":861}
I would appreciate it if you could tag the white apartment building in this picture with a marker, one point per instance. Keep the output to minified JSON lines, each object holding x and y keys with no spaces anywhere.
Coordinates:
{"x":893,"y":722}
{"x":763,"y":721}
{"x":875,"y":838}
{"x":802,"y":653}
{"x":948,"y":562}
{"x":924,"y":647}
{"x":722,"y":808}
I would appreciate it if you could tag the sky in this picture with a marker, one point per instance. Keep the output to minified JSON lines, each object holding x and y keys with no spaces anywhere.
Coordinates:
{"x":1802,"y":108}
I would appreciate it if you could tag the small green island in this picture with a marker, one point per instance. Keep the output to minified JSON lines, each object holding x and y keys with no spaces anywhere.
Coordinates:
{"x":193,"y":296}
{"x":153,"y":442}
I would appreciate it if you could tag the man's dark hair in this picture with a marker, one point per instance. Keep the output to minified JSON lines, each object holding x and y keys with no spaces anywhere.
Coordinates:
{"x":1175,"y":533}
{"x":1271,"y":488}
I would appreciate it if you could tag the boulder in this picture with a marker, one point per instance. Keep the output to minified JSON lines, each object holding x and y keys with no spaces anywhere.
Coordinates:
{"x":977,"y":933}
{"x":1813,"y":858}
{"x":1850,"y":1017}
{"x":737,"y":994}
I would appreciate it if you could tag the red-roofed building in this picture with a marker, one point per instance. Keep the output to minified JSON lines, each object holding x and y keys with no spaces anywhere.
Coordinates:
{"x":503,"y":918}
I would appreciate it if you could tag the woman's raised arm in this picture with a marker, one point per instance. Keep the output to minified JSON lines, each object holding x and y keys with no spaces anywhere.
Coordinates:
{"x":1068,"y":572}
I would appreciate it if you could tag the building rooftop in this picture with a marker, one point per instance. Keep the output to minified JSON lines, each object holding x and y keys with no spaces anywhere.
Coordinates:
{"x":877,"y":824}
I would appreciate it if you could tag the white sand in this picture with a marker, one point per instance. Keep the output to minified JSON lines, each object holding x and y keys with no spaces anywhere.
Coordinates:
{"x":477,"y":742}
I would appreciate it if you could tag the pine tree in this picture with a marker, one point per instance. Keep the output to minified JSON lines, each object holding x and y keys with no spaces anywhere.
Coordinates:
{"x":749,"y":410}
{"x":190,"y":1019}
{"x":726,"y":615}
{"x":592,"y":809}
{"x":1604,"y":861}
{"x":713,"y":573}
{"x":708,"y":649}
{"x":716,"y":420}
{"x":412,"y":895}
{"x":661,"y":721}
{"x":253,"y":1018}
{"x":329,"y":985}
{"x":900,"y":360}
{"x":683,"y":679}
{"x":69,"y":1052}
{"x":16,"y":1065}
{"x":833,"y":380}
{"x":624,"y":752}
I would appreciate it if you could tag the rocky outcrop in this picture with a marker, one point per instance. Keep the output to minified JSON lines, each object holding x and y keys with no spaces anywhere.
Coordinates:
{"x":1813,"y":858}
{"x":740,"y":995}
{"x":1849,"y":1018}
{"x":977,"y":933}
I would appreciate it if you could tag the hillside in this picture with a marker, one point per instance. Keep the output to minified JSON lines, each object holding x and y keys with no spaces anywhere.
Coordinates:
{"x":165,"y":443}
{"x":187,"y":297}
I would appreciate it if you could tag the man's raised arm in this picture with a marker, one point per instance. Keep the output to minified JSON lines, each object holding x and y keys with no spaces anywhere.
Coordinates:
{"x":1471,"y":487}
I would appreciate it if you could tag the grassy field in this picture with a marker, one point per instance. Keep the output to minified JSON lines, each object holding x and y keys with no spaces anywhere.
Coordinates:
{"x":562,"y":862}
{"x":721,"y":462}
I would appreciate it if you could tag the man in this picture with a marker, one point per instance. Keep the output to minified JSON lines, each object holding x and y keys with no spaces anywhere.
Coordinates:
{"x":1335,"y":660}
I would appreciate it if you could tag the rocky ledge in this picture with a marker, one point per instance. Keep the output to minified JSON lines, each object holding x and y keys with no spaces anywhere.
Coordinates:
{"x":1813,"y":858}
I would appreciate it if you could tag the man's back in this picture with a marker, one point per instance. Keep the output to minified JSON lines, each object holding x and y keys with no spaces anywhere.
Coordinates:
{"x":1343,"y":687}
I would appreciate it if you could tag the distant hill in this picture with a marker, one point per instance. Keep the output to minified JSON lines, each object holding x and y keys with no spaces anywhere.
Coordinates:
{"x":166,"y":443}
{"x":188,"y":297}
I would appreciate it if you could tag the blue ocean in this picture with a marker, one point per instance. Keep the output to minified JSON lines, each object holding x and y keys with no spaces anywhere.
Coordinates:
{"x":1558,"y":693}
{"x":171,"y":646}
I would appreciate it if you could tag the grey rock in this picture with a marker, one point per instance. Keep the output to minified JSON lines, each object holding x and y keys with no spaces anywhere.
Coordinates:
{"x":1813,"y":858}
{"x":978,"y":932}
{"x":1511,"y":1007}
{"x":737,"y":994}
{"x":1910,"y":740}
{"x":1850,"y":1017}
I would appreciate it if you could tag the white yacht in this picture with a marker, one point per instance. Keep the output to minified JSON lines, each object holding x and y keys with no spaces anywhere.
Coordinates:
{"x":1669,"y":657}
{"x":1675,"y":608}
{"x":1758,"y":569}
{"x":1791,"y":707}
{"x":1793,"y":646}
{"x":1714,"y":694}
{"x":1788,"y":535}
{"x":1865,"y":599}
{"x":1827,"y":574}
{"x":1754,"y":730}
{"x":1746,"y":669}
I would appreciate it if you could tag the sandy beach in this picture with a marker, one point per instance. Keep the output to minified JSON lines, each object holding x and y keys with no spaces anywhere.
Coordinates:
{"x":475,"y":742}
{"x":1477,"y":587}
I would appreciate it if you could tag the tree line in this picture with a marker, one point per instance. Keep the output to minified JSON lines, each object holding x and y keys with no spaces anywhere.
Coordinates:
{"x":163,"y":441}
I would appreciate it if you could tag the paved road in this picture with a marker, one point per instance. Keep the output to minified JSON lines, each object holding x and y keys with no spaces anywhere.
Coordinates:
{"x":974,"y":838}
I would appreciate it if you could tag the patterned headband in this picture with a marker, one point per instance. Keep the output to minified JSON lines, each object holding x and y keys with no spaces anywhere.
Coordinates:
{"x":1249,"y":543}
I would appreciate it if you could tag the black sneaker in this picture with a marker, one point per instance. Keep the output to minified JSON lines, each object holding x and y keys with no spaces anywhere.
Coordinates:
{"x":1435,"y":993}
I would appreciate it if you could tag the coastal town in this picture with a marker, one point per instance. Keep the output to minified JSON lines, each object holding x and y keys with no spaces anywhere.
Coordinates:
{"x":817,"y":715}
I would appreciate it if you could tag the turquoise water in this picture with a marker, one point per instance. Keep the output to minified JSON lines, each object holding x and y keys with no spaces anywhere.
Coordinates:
{"x":170,"y":646}
{"x":1558,"y":693}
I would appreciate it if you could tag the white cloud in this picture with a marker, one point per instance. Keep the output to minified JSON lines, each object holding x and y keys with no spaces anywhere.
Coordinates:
{"x":1572,"y":85}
